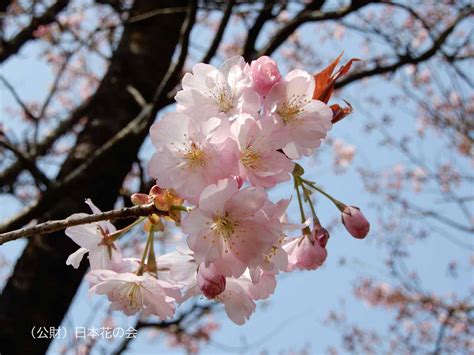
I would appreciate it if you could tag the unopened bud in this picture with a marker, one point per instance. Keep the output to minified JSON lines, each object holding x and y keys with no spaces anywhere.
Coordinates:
{"x":155,"y":190}
{"x":321,"y":236}
{"x":161,"y":202}
{"x":265,"y":75}
{"x":140,"y":199}
{"x":305,"y":254}
{"x":209,"y":281}
{"x":355,"y":222}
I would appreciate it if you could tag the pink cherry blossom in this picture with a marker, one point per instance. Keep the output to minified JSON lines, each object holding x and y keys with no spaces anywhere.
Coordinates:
{"x":276,"y":259}
{"x":132,"y":293}
{"x":210,"y":281}
{"x":221,"y":92}
{"x":264,"y":287}
{"x":306,"y":121}
{"x":265,"y":75}
{"x":238,"y":303}
{"x":92,"y":239}
{"x":186,"y":159}
{"x":355,"y":222}
{"x":304,"y":253}
{"x":178,"y":267}
{"x":226,"y":223}
{"x":258,"y":142}
{"x":239,"y":294}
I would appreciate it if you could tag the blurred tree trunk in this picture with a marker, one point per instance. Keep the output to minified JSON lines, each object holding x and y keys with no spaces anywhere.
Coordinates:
{"x":41,"y":288}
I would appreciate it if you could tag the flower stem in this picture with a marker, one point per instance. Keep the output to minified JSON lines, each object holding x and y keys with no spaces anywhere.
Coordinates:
{"x":311,"y":206}
{"x":117,"y":234}
{"x":151,"y":261}
{"x":179,"y":208}
{"x":300,"y":203}
{"x":340,"y":205}
{"x":145,"y":251}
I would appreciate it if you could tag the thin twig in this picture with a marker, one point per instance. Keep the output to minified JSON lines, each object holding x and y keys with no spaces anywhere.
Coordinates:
{"x":77,"y":219}
{"x":30,"y":165}
{"x":12,"y":46}
{"x":220,"y":33}
{"x":17,"y":98}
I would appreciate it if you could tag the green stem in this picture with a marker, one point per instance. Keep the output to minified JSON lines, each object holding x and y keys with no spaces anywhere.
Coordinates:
{"x":117,"y":234}
{"x":338,"y":203}
{"x":300,"y":203}
{"x":180,"y":208}
{"x":311,"y":206}
{"x":151,"y":262}
{"x":145,"y":251}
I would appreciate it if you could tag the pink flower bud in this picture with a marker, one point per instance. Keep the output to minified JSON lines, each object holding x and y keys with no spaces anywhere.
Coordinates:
{"x":211,"y":282}
{"x":140,"y":199}
{"x":304,"y":253}
{"x":321,"y":236}
{"x":265,"y":75}
{"x":156,"y":190}
{"x":355,"y":222}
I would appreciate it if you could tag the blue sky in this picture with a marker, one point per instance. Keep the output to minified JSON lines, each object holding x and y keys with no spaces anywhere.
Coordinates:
{"x":293,"y":316}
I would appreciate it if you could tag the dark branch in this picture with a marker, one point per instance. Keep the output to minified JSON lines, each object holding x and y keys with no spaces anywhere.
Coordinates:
{"x":309,"y":14}
{"x":220,"y":33}
{"x":9,"y":175}
{"x":408,"y":58}
{"x":75,"y":220}
{"x":37,"y":174}
{"x":264,"y":15}
{"x":13,"y":45}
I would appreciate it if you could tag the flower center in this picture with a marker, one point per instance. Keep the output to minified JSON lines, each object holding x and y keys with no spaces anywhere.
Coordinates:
{"x":195,"y":156}
{"x":222,"y":98}
{"x":290,"y":109}
{"x":133,"y":296}
{"x":224,"y":101}
{"x":250,"y":158}
{"x":224,"y":226}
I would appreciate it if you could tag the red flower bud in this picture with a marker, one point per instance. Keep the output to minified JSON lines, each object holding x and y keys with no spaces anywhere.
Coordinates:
{"x":321,"y":236}
{"x":355,"y":222}
{"x":210,"y":281}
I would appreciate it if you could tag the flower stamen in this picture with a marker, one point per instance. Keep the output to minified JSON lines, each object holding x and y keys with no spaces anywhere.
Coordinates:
{"x":250,"y":158}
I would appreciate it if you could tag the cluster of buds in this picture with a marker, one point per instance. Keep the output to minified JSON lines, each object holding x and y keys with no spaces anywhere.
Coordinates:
{"x":164,"y":200}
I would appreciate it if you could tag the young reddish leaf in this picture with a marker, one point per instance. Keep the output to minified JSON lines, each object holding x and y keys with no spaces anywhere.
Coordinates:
{"x":325,"y":80}
{"x":324,"y":77}
{"x":340,"y":112}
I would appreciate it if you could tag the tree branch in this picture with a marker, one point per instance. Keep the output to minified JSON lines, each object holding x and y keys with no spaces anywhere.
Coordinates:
{"x":264,"y":15}
{"x":136,"y":127}
{"x":309,"y":14}
{"x":9,"y":175}
{"x":37,"y":174}
{"x":75,"y":220}
{"x":220,"y":33}
{"x":12,"y":46}
{"x":17,"y":98}
{"x":409,"y":58}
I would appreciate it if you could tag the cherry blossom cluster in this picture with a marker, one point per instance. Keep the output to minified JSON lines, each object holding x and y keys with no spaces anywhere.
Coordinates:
{"x":238,"y":130}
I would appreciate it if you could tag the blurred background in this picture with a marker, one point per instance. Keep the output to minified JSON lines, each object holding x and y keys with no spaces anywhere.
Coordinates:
{"x":73,"y":80}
